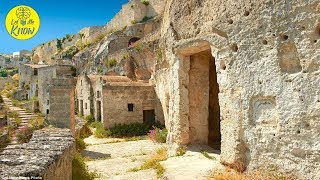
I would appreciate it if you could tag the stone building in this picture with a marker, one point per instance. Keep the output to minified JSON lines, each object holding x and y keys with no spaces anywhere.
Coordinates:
{"x":35,"y":80}
{"x":246,"y":73}
{"x":129,"y":102}
{"x":115,"y":99}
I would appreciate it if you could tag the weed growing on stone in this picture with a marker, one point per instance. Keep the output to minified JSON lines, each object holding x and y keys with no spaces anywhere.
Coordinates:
{"x":154,"y":163}
{"x":181,"y":151}
{"x":80,"y":169}
{"x":205,"y":154}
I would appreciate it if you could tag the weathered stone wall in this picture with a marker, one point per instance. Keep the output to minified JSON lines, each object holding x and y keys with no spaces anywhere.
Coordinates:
{"x":90,"y":32}
{"x":84,"y":95}
{"x":62,"y":105}
{"x":267,"y":63}
{"x":45,"y":76}
{"x":44,"y":80}
{"x":117,"y":96}
{"x":48,"y":155}
{"x":133,"y":12}
{"x":46,"y":51}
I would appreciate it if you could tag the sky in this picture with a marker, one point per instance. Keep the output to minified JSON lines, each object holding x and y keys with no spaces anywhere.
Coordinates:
{"x":58,"y":18}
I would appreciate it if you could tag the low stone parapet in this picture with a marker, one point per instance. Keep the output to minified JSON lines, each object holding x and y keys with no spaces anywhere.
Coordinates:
{"x":48,"y":155}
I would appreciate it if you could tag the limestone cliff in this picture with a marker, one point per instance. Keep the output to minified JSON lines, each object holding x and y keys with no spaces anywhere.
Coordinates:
{"x":93,"y":49}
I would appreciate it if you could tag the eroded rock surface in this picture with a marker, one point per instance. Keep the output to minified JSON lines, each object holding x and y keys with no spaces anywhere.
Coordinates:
{"x":48,"y":155}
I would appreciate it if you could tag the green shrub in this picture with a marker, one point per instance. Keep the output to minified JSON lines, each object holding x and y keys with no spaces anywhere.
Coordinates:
{"x":59,"y":45}
{"x":129,"y":130}
{"x":24,"y":135}
{"x":110,"y":63}
{"x":145,"y":2}
{"x":37,"y":123}
{"x":161,"y":135}
{"x":90,"y":118}
{"x":101,"y":132}
{"x":145,"y":19}
{"x":13,"y":114}
{"x":85,"y":132}
{"x":80,"y":144}
{"x":181,"y":151}
{"x":80,"y":170}
{"x":95,"y":124}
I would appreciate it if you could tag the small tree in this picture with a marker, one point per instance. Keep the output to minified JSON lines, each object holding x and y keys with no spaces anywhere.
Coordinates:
{"x":59,"y":45}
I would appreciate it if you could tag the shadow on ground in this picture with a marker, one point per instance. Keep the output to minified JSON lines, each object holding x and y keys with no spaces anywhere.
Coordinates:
{"x":95,"y":155}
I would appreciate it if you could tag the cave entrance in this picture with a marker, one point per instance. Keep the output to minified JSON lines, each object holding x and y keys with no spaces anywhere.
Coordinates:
{"x":204,"y":109}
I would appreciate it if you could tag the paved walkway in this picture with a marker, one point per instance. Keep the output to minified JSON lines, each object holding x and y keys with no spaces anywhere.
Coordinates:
{"x":23,"y":115}
{"x":115,"y":160}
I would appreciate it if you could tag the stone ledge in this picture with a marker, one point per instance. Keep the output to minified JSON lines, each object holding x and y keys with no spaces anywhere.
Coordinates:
{"x":37,"y":158}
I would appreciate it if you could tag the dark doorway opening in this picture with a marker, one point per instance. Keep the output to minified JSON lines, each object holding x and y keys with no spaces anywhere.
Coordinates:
{"x":81,"y":107}
{"x":204,"y":110}
{"x":149,"y":117}
{"x":99,"y":110}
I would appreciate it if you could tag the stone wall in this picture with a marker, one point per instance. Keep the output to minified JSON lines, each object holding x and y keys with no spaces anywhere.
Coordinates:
{"x":46,"y":51}
{"x":84,"y":95}
{"x":48,"y":155}
{"x":117,"y":96}
{"x":62,"y":105}
{"x":267,"y":64}
{"x":133,"y":12}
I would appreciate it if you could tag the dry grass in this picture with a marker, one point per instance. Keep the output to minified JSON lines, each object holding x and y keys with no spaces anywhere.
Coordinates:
{"x":230,"y":174}
{"x":153,"y":163}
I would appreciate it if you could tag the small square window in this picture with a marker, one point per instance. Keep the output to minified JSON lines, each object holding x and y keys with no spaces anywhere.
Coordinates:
{"x":130,"y":107}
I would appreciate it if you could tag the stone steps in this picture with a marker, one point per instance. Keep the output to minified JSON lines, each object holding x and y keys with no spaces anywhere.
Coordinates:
{"x":23,"y":115}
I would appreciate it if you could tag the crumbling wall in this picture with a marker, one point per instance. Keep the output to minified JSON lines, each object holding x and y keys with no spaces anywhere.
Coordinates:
{"x":48,"y":155}
{"x":267,"y":63}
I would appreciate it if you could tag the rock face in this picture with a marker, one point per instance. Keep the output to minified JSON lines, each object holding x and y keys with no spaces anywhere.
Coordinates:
{"x":266,"y":62}
{"x":48,"y":155}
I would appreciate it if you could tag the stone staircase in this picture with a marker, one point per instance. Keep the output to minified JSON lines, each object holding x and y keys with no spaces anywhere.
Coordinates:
{"x":23,"y":115}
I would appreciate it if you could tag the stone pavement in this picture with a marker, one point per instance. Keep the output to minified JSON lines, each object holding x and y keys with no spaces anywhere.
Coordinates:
{"x":115,"y":160}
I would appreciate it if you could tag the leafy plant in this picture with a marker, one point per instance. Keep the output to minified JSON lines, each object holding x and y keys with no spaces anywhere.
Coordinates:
{"x":153,"y":163}
{"x":129,"y":130}
{"x":85,"y":132}
{"x":181,"y":151}
{"x":59,"y":45}
{"x":145,"y":19}
{"x":80,"y":144}
{"x":110,"y":63}
{"x":24,"y":134}
{"x":80,"y":169}
{"x":37,"y":123}
{"x":145,"y":2}
{"x":90,"y":118}
{"x":101,"y":132}
{"x":205,"y":154}
{"x":158,"y":135}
